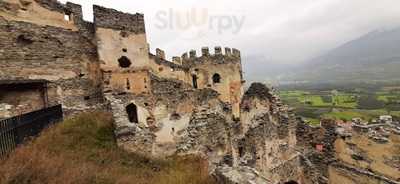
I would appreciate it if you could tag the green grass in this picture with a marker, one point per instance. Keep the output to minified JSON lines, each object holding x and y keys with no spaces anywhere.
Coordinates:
{"x":344,"y":115}
{"x":345,"y":104}
{"x":345,"y":101}
{"x":83,"y":150}
{"x":313,"y":122}
{"x":385,"y":98}
{"x":314,"y":100}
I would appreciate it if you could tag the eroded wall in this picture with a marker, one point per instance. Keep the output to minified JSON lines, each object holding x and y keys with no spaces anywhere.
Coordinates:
{"x":363,"y":153}
{"x":226,"y":65}
{"x":167,"y":117}
{"x":34,"y":11}
{"x":267,"y":140}
{"x":59,"y":51}
{"x":120,"y":35}
{"x":130,"y":81}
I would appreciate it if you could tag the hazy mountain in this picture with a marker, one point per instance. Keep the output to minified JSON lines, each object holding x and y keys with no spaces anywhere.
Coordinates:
{"x":372,"y":57}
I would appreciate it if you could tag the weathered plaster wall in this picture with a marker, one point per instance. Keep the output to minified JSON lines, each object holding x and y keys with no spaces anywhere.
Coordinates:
{"x":120,"y":34}
{"x":131,"y":81}
{"x":111,"y":45}
{"x":65,"y":57}
{"x":33,"y":12}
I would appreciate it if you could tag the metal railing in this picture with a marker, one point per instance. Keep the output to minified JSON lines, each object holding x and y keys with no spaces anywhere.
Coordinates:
{"x":15,"y":130}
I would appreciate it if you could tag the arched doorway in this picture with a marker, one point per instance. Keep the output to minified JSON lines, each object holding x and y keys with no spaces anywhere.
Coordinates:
{"x":291,"y":182}
{"x":131,"y":110}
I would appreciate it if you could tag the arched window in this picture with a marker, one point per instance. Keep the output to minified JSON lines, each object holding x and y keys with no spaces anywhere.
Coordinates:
{"x":131,"y":110}
{"x":216,"y":78}
{"x":124,"y":62}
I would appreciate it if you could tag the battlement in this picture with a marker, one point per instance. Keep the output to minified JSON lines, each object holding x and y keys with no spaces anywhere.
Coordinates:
{"x":113,"y":19}
{"x":160,"y":53}
{"x":227,"y":53}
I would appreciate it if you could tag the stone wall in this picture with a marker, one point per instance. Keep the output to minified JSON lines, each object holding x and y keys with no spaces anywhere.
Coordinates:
{"x":227,"y":66}
{"x":116,"y":20}
{"x":60,"y":52}
{"x":172,"y":118}
{"x":267,"y":140}
{"x":17,"y":99}
{"x":366,"y":155}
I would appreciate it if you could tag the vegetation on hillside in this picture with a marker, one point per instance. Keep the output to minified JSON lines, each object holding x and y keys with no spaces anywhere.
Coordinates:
{"x":83,"y":150}
{"x":343,"y":102}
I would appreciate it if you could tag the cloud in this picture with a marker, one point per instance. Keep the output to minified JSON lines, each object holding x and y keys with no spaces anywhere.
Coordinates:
{"x":283,"y":30}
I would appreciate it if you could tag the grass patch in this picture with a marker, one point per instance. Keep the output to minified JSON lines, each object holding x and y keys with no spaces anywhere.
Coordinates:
{"x":344,"y":115}
{"x":83,"y":150}
{"x":313,"y":122}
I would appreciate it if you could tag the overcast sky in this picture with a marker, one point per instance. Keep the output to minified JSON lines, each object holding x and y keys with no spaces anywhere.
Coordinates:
{"x":287,"y":31}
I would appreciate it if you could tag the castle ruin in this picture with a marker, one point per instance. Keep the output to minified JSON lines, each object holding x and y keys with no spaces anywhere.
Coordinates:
{"x":190,"y":104}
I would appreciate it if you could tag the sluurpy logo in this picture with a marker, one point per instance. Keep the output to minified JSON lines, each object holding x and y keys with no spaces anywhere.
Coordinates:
{"x":197,"y":22}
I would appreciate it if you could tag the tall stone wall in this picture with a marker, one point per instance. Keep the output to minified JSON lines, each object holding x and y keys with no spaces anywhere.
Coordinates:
{"x":63,"y":55}
{"x":267,"y":140}
{"x":172,"y":118}
{"x":121,"y":39}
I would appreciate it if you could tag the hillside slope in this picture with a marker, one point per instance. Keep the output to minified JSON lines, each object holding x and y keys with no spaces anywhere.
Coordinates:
{"x":83,"y":150}
{"x":372,"y":57}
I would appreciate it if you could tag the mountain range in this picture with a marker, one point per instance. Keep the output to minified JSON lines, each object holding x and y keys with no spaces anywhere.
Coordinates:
{"x":371,"y":57}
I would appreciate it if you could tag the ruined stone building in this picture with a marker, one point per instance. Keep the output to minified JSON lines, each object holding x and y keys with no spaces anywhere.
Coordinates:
{"x":191,"y":104}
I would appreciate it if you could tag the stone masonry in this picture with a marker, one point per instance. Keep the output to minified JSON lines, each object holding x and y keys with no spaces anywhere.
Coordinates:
{"x":190,"y":104}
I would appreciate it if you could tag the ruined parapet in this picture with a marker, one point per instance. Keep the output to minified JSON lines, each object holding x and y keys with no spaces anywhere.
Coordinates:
{"x":258,"y":90}
{"x":218,"y":51}
{"x":220,"y":56}
{"x":184,"y":57}
{"x":228,"y":51}
{"x":113,"y":19}
{"x":205,"y":51}
{"x":267,"y":138}
{"x":192,"y":54}
{"x":177,"y":60}
{"x":48,"y":12}
{"x":74,"y":11}
{"x":160,"y":54}
{"x":53,"y":5}
{"x":236,"y":53}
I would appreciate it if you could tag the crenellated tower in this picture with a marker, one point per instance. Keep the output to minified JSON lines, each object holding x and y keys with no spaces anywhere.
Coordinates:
{"x":221,"y":71}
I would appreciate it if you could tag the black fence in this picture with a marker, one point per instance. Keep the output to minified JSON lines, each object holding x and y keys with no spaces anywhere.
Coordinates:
{"x":15,"y":130}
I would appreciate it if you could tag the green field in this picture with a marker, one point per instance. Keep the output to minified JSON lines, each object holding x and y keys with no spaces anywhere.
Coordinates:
{"x":334,"y":104}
